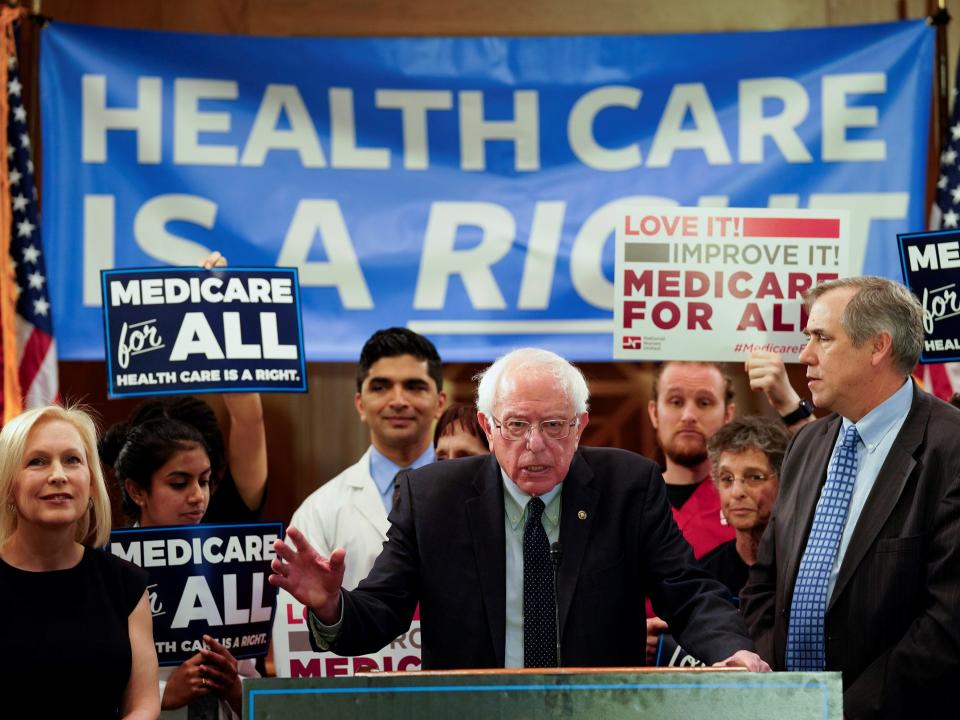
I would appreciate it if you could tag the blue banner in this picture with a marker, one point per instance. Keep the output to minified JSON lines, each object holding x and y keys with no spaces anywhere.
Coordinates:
{"x":465,"y":187}
{"x":205,"y":579}
{"x":191,"y":330}
{"x":930,"y":261}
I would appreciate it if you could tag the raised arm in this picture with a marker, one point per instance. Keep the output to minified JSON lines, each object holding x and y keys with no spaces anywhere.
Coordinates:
{"x":767,"y":373}
{"x":247,"y":444}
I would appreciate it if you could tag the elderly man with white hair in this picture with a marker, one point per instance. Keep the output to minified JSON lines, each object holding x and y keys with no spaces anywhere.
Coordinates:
{"x":538,"y":555}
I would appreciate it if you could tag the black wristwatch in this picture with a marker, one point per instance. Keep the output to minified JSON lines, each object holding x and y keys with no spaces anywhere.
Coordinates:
{"x":801,"y":413}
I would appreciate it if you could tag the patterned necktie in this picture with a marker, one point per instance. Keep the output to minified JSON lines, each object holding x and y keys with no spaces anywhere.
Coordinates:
{"x":539,"y":603}
{"x":805,"y":637}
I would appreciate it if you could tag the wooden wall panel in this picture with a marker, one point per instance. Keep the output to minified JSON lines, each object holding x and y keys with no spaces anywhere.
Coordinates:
{"x":312,"y":437}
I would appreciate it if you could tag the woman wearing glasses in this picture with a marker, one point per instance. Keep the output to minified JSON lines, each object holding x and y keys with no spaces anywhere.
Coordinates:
{"x":745,"y":454}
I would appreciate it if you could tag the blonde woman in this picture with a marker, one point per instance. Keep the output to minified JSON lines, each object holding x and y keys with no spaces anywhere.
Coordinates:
{"x":75,"y":622}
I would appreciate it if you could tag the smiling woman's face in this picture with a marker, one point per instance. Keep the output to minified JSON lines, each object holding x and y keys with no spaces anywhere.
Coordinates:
{"x":53,"y":485}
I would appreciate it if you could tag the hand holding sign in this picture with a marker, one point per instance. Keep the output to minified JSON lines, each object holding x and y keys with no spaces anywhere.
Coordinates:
{"x":311,"y":578}
{"x":187,"y":683}
{"x":220,"y":672}
{"x":655,"y":628}
{"x":768,"y":373}
{"x":214,"y":260}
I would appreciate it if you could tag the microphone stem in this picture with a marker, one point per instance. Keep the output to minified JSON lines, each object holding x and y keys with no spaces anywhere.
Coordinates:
{"x":556,"y":552}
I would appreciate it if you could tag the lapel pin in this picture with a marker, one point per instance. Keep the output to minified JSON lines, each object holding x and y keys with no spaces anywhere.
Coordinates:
{"x":582,"y":514}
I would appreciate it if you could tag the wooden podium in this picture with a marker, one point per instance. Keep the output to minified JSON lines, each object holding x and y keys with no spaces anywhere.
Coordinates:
{"x":608,"y":693}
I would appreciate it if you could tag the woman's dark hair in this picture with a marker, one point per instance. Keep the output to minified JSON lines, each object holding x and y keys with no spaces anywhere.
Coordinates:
{"x":192,"y":412}
{"x":749,"y":432}
{"x":135,"y":451}
{"x":464,"y":415}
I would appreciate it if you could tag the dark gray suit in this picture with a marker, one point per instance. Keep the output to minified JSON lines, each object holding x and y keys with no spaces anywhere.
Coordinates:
{"x":893,"y":622}
{"x":446,"y":550}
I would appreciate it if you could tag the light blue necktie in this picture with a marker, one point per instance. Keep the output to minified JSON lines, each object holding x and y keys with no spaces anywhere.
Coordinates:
{"x":805,"y":637}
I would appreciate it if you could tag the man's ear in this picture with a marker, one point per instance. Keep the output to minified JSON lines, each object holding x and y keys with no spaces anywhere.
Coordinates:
{"x":652,"y":409}
{"x":584,"y":421}
{"x":359,"y":405}
{"x":486,"y":426}
{"x":441,"y":404}
{"x":729,"y":413}
{"x":881,"y":347}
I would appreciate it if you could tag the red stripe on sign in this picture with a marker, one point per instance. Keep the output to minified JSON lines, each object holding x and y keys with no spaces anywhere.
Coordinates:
{"x":791,"y":227}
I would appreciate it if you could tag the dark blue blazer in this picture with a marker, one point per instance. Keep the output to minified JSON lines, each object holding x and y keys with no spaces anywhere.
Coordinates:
{"x":892,"y":625}
{"x":446,"y":551}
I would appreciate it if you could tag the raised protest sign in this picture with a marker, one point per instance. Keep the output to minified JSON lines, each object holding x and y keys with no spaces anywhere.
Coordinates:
{"x":191,"y":330}
{"x":930,"y":261}
{"x":716,"y":284}
{"x":467,"y":188}
{"x":293,"y":656}
{"x":205,"y":579}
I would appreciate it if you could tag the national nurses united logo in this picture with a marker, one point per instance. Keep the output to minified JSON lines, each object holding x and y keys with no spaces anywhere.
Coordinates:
{"x":633,"y":342}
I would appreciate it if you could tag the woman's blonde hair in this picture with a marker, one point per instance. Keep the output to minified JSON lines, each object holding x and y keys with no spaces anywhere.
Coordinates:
{"x":93,"y":528}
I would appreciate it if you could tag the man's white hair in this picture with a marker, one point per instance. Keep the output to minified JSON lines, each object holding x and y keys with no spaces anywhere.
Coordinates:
{"x":500,"y":377}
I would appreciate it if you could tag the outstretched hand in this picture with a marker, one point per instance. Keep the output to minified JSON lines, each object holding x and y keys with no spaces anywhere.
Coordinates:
{"x":311,"y":578}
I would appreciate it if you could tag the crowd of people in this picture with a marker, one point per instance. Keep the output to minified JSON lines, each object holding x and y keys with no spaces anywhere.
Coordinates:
{"x":762,"y":543}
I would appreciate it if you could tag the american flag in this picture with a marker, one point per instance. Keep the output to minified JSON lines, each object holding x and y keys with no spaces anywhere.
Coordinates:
{"x":943,"y":379}
{"x":36,"y":351}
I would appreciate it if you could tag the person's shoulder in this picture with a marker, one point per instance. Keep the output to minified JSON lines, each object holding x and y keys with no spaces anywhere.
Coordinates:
{"x":325,"y":494}
{"x":818,"y":427}
{"x":621,"y":472}
{"x":616,"y":457}
{"x":942,"y":412}
{"x":719,"y":553}
{"x":116,"y":570}
{"x":465,"y":467}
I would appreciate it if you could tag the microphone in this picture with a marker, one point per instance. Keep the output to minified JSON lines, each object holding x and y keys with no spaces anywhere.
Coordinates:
{"x":556,"y":555}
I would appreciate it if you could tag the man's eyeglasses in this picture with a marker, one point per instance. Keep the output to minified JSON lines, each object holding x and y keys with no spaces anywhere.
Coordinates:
{"x":511,"y":429}
{"x":726,"y":480}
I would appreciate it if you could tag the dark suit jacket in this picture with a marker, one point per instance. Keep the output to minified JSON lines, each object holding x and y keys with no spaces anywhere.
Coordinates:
{"x":893,"y":622}
{"x":446,"y":550}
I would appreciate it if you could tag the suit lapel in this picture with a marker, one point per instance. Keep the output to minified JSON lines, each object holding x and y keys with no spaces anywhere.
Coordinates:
{"x":485,"y":517}
{"x":578,"y":502}
{"x":886,"y":491}
{"x":808,"y":480}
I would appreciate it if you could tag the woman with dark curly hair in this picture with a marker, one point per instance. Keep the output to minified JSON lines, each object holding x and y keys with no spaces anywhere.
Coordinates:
{"x":164,"y":468}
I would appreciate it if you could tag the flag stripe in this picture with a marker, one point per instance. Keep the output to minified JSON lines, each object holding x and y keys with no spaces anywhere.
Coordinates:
{"x":29,"y":340}
{"x":34,"y":351}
